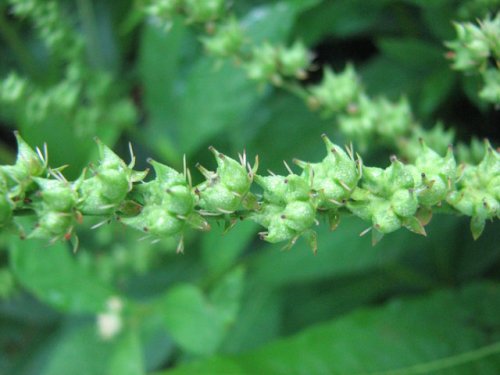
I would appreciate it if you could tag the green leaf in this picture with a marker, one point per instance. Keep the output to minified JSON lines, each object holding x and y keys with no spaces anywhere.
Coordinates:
{"x":52,"y":274}
{"x":160,"y":77}
{"x":226,"y":295}
{"x":127,"y":356}
{"x":261,"y":25}
{"x":444,"y":331}
{"x":219,"y":250}
{"x":412,"y":53}
{"x":258,"y":322}
{"x":214,"y":99}
{"x":80,"y":351}
{"x":192,"y":321}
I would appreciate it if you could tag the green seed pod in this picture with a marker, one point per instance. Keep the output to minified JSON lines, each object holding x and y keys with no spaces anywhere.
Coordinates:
{"x":385,"y":220}
{"x":404,"y":202}
{"x":218,"y":198}
{"x":337,"y":91}
{"x":334,"y":178}
{"x":235,"y":176}
{"x":270,"y":217}
{"x":164,"y":9}
{"x":107,"y":189}
{"x":491,"y":90}
{"x":471,"y":47}
{"x":204,"y":11}
{"x":264,"y":65}
{"x":299,"y":216}
{"x":398,"y":176}
{"x":359,"y":124}
{"x":294,"y":61}
{"x":156,"y":220}
{"x":168,"y":204}
{"x":227,"y":40}
{"x":477,"y":191}
{"x":57,"y":195}
{"x":53,"y":225}
{"x":225,"y":189}
{"x":28,"y":164}
{"x":281,"y":190}
{"x":169,"y":189}
{"x":387,"y":198}
{"x":394,"y":119}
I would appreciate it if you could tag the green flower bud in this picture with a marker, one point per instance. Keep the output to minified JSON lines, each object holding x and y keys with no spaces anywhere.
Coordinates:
{"x":470,"y":49}
{"x":299,"y":216}
{"x":337,"y":91}
{"x":235,"y":176}
{"x":359,"y":125}
{"x":387,"y":198}
{"x":164,"y":9}
{"x":281,"y":190}
{"x":28,"y":163}
{"x":226,"y":41}
{"x":334,"y":178}
{"x":294,"y":61}
{"x":204,"y":11}
{"x":12,"y":89}
{"x":404,"y":202}
{"x":285,"y":223}
{"x":218,"y":198}
{"x":491,"y":90}
{"x":107,"y":189}
{"x":156,"y":220}
{"x":270,"y":217}
{"x":394,"y":119}
{"x":263,"y":66}
{"x":477,"y":192}
{"x":57,"y":195}
{"x":168,"y":204}
{"x":53,"y":225}
{"x":385,"y":220}
{"x":438,"y":139}
{"x":225,"y":189}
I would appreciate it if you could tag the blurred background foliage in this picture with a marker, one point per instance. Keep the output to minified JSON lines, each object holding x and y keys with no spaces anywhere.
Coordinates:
{"x":233,"y":304}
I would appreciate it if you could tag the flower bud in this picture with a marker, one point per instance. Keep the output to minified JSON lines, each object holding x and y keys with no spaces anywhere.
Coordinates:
{"x":334,"y":178}
{"x":337,"y":91}
{"x":28,"y":164}
{"x":164,"y":9}
{"x":57,"y":195}
{"x":477,"y":192}
{"x":404,"y":202}
{"x":281,"y":190}
{"x":226,"y":41}
{"x":387,"y":198}
{"x":204,"y":11}
{"x":263,"y":66}
{"x":107,"y":189}
{"x":156,"y":220}
{"x":225,"y":189}
{"x":53,"y":225}
{"x":294,"y":61}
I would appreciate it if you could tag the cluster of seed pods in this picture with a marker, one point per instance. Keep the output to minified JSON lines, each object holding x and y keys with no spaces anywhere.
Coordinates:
{"x":288,"y":207}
